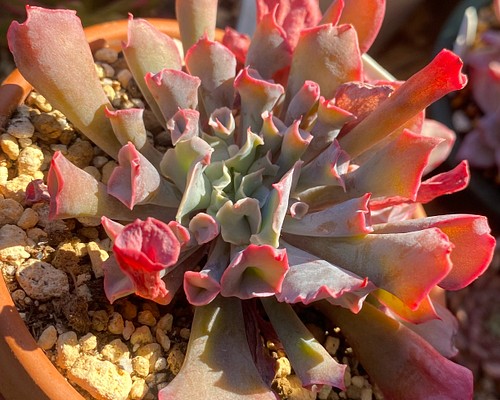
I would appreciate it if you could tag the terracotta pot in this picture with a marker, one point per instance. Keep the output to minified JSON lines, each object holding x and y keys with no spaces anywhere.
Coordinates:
{"x":25,"y":371}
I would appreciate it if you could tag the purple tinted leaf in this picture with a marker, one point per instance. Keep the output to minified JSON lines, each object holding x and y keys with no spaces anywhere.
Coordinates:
{"x":36,"y":192}
{"x":204,"y":228}
{"x":302,"y":104}
{"x":184,"y":125}
{"x":413,"y":369}
{"x":117,"y":284}
{"x":212,"y":368}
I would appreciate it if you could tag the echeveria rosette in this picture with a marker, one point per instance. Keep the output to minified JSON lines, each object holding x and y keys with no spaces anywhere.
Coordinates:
{"x":285,"y":182}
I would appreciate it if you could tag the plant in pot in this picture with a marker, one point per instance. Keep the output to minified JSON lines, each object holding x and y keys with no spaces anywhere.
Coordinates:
{"x":289,"y":179}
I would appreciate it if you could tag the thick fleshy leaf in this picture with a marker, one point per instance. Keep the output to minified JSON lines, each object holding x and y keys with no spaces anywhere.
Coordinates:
{"x":311,"y":279}
{"x":275,"y":209}
{"x":294,"y":143}
{"x":302,"y":104}
{"x":269,"y":51}
{"x":337,"y":59}
{"x":349,"y":218}
{"x":204,"y":228}
{"x":245,"y":156}
{"x":310,"y":361}
{"x":473,"y":249}
{"x":201,"y":287}
{"x":128,"y":126}
{"x":184,"y":125}
{"x":223,"y":125}
{"x":240,"y":220}
{"x":117,"y":284}
{"x":212,"y":369}
{"x":441,"y":76}
{"x":136,"y":181}
{"x":257,"y":95}
{"x":149,"y":51}
{"x":196,"y":18}
{"x":272,"y":133}
{"x":238,"y":43}
{"x":413,"y":369}
{"x":436,"y":129}
{"x":74,"y":194}
{"x":407,"y":265}
{"x":42,"y":53}
{"x":256,"y":271}
{"x":367,"y":17}
{"x":333,"y":12}
{"x":292,"y":15}
{"x":215,"y":65}
{"x":173,"y":89}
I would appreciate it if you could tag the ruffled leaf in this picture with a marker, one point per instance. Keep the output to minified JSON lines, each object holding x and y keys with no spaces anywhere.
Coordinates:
{"x":184,"y":125}
{"x":239,"y":220}
{"x":407,"y":265}
{"x":256,"y":271}
{"x":310,"y":279}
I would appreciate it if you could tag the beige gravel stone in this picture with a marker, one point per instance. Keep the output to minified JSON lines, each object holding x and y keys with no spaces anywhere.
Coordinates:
{"x":41,"y":281}
{"x":97,"y":257}
{"x":100,"y":320}
{"x":128,"y":330}
{"x":88,"y":342}
{"x":140,"y":365}
{"x":10,"y":211}
{"x":9,"y":145}
{"x":116,"y":324}
{"x":139,"y":389}
{"x":106,"y":54}
{"x":115,"y":350}
{"x":30,"y":160}
{"x":175,"y":359}
{"x":165,"y":323}
{"x":102,"y":379}
{"x":163,"y":339}
{"x":20,"y":127}
{"x":142,"y":335}
{"x":12,"y":244}
{"x":282,"y":367}
{"x":146,"y":318}
{"x":16,"y":187}
{"x":48,"y":338}
{"x":67,"y":349}
{"x":29,"y":219}
{"x":151,"y":352}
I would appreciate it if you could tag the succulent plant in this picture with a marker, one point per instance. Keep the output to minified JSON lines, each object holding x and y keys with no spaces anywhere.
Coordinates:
{"x":295,"y":168}
{"x":480,"y":49}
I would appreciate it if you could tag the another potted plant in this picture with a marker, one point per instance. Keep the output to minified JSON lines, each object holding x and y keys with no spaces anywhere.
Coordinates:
{"x":290,"y":175}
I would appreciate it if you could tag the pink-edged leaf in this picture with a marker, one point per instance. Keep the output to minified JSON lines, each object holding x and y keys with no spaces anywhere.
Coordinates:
{"x":444,"y":183}
{"x":407,"y":265}
{"x":367,"y":17}
{"x":310,"y":360}
{"x":310,"y":279}
{"x":257,"y":95}
{"x":470,"y":235}
{"x":134,"y":179}
{"x":413,"y":369}
{"x":275,"y":209}
{"x":484,"y":75}
{"x":238,"y":43}
{"x":439,"y":332}
{"x":292,"y":15}
{"x":239,"y":220}
{"x":269,"y":50}
{"x":223,"y":125}
{"x":271,"y":132}
{"x":327,"y":168}
{"x":215,"y":65}
{"x":128,"y":126}
{"x":184,"y":125}
{"x":441,"y":76}
{"x":333,"y":12}
{"x":337,"y":59}
{"x":196,"y":18}
{"x":117,"y":284}
{"x":302,"y":104}
{"x":425,"y":311}
{"x":256,"y":271}
{"x":43,"y":47}
{"x":212,"y":369}
{"x":181,"y":233}
{"x":173,"y":89}
{"x":204,"y":228}
{"x":330,"y":119}
{"x":112,"y":228}
{"x":149,"y":51}
{"x":293,"y":145}
{"x":436,"y":129}
{"x":201,"y":287}
{"x":349,"y":218}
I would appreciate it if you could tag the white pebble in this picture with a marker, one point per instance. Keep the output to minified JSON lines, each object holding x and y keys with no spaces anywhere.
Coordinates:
{"x":48,"y":338}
